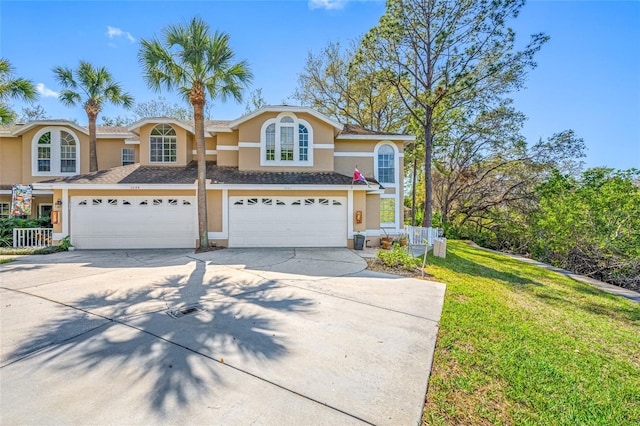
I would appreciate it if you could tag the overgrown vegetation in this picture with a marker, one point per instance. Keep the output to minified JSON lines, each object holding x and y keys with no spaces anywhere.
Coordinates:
{"x":398,"y":256}
{"x":519,"y":344}
{"x":588,"y":224}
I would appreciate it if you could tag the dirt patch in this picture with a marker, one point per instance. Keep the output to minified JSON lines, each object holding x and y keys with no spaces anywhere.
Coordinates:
{"x":375,"y":264}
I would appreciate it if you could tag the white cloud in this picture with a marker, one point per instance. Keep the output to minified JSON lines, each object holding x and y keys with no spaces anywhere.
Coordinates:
{"x":45,"y":91}
{"x":117,"y":32}
{"x":326,"y":4}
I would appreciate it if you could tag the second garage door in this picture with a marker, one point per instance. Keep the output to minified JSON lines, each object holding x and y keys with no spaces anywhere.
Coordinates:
{"x":124,"y":222}
{"x":260,"y":221}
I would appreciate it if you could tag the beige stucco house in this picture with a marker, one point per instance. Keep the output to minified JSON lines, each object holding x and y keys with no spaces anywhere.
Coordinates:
{"x":278,"y":177}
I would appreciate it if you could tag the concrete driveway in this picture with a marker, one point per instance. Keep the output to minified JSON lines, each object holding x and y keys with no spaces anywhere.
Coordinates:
{"x":252,"y":336}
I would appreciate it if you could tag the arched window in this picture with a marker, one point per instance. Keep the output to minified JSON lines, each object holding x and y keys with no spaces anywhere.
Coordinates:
{"x":55,"y":152}
{"x":67,"y":153}
{"x":163,"y":143}
{"x":44,"y":152}
{"x":286,"y":140}
{"x":386,"y":164}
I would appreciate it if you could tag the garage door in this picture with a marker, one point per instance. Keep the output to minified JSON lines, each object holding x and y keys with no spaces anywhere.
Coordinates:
{"x":287,"y":221}
{"x":133,"y":222}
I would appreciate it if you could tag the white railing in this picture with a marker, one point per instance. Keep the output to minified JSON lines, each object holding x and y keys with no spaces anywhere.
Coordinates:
{"x":32,"y":237}
{"x":418,"y":236}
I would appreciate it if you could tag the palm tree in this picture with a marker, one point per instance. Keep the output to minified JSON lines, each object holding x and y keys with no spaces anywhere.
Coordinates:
{"x":92,"y":87}
{"x":191,"y":61}
{"x":13,"y":88}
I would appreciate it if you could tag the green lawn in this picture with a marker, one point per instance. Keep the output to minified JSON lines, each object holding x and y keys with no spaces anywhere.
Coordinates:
{"x":519,"y":344}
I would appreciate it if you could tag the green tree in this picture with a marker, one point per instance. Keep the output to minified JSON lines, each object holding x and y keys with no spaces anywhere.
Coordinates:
{"x":92,"y":87}
{"x":13,"y":88}
{"x":438,"y":52}
{"x":591,"y":224}
{"x":196,"y":64}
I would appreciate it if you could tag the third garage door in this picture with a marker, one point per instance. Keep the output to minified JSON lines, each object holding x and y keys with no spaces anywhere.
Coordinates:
{"x":259,"y":221}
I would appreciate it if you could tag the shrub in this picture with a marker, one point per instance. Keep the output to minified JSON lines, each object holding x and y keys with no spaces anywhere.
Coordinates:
{"x":398,"y":256}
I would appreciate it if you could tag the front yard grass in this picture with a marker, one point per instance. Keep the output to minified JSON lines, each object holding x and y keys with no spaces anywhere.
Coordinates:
{"x":519,"y":344}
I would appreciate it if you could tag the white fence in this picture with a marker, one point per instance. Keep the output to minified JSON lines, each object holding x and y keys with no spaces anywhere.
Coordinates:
{"x":32,"y":237}
{"x":418,"y":236}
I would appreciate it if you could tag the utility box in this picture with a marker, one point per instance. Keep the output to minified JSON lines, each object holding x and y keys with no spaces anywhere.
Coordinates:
{"x":440,"y":247}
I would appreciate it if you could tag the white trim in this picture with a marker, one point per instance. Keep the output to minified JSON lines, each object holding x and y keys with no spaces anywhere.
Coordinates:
{"x":249,"y":144}
{"x":132,"y":141}
{"x":49,"y":123}
{"x":225,"y":217}
{"x":396,"y":164}
{"x":324,"y":146}
{"x":65,"y":212}
{"x":118,"y":186}
{"x":34,"y":191}
{"x":112,"y":135}
{"x":55,"y":149}
{"x":160,"y":120}
{"x":349,"y":213}
{"x":42,"y":205}
{"x":353,"y":154}
{"x":277,"y":162}
{"x":207,"y":152}
{"x":396,"y":213}
{"x":57,"y":236}
{"x":408,"y":138}
{"x":285,"y":108}
{"x":213,"y":130}
{"x":401,"y":155}
{"x":228,"y":148}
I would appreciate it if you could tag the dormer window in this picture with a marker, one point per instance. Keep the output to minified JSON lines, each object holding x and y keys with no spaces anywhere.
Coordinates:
{"x":286,"y":141}
{"x":163,"y":143}
{"x":55,"y":152}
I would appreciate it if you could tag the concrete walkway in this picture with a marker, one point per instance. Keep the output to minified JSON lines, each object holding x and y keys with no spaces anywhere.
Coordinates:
{"x":609,"y":288}
{"x":277,"y":336}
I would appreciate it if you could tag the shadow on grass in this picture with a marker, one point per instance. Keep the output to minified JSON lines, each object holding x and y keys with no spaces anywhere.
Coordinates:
{"x":462,"y":265}
{"x":174,"y":361}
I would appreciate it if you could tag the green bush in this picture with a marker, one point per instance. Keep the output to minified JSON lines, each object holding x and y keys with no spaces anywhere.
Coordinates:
{"x":7,"y":225}
{"x":398,"y":256}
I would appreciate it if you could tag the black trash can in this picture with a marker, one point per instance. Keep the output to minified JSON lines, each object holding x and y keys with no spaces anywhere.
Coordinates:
{"x":358,"y":241}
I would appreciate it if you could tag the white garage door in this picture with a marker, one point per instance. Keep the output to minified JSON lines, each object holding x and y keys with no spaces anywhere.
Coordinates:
{"x":99,"y":222}
{"x":287,"y":221}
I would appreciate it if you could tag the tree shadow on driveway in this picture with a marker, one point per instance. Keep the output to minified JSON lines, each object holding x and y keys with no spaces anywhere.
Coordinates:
{"x":178,"y":356}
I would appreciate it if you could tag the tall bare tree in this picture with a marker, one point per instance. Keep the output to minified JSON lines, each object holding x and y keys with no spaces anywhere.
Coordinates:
{"x":453,"y":52}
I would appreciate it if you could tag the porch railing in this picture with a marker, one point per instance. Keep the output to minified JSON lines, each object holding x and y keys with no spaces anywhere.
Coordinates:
{"x":418,"y":236}
{"x":32,"y":237}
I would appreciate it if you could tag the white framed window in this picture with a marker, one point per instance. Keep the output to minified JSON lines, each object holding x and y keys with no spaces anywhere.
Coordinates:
{"x":286,"y":141}
{"x":163,"y":143}
{"x":386,"y":159}
{"x":44,"y":210}
{"x":55,"y":151}
{"x":5,"y":209}
{"x":388,"y":210}
{"x":128,"y":156}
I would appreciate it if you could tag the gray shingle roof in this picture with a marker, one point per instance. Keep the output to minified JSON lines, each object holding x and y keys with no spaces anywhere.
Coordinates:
{"x":137,"y":174}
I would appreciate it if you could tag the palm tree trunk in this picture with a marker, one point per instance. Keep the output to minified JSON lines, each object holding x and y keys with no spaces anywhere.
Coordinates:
{"x":198,"y":118}
{"x":93,"y":147}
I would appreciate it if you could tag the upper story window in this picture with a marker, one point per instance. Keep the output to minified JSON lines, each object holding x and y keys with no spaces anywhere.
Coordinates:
{"x":386,"y":163}
{"x":55,"y":152}
{"x":163,"y":143}
{"x":286,"y":141}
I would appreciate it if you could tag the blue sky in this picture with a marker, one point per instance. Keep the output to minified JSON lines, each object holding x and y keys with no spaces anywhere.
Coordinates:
{"x":588,"y":75}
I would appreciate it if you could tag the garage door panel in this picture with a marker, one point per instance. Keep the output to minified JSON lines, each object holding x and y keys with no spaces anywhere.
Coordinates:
{"x":133,"y":222}
{"x":287,"y":221}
